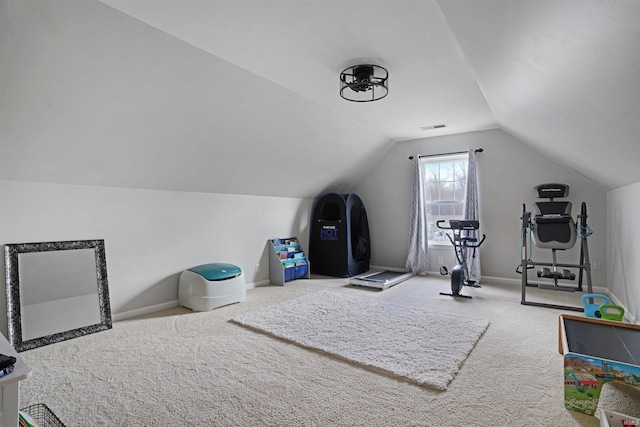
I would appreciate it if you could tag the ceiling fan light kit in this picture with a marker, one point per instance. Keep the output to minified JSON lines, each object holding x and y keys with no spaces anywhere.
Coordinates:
{"x":364,"y":83}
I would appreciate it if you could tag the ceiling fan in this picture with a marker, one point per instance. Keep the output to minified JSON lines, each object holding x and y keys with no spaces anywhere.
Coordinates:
{"x":364,"y":83}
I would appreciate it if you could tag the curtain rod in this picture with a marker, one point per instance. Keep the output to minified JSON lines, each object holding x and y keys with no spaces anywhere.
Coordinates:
{"x":478,"y":150}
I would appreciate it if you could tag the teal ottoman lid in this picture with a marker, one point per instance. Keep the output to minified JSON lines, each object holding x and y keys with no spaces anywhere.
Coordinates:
{"x":217,"y":271}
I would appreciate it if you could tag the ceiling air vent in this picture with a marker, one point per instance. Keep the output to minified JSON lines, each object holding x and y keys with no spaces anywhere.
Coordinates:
{"x":440,"y":126}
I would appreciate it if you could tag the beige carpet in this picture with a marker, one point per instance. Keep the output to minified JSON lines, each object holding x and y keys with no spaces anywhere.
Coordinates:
{"x":180,"y":368}
{"x":424,"y":347}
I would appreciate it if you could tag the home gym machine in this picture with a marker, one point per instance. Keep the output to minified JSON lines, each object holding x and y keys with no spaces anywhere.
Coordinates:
{"x":552,"y":227}
{"x":462,"y":240}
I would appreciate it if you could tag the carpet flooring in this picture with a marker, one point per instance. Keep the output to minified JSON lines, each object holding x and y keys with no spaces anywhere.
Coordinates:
{"x":183,"y":368}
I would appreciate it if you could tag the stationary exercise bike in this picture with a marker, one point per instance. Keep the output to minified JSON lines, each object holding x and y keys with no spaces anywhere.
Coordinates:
{"x":460,"y":242}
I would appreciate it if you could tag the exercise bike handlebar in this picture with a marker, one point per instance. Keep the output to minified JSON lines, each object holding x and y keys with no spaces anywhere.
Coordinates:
{"x":442,"y":227}
{"x":462,"y":224}
{"x":477,"y":245}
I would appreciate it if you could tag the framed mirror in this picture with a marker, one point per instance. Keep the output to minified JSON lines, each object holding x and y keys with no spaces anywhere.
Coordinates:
{"x":55,"y":291}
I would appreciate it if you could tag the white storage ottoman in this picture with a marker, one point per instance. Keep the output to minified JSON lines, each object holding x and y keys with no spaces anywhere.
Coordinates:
{"x":209,"y":286}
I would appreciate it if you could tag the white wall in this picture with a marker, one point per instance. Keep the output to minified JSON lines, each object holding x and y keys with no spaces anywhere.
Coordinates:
{"x":151,"y":236}
{"x":623,"y":247}
{"x":508,"y":170}
{"x":91,"y":96}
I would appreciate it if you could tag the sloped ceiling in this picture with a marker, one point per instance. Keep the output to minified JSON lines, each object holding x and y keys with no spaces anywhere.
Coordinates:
{"x":303,"y":46}
{"x":241,"y":96}
{"x":562,"y":76}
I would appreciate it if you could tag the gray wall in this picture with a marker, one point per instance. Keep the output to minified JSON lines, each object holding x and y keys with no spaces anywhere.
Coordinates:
{"x":508,"y":170}
{"x":623,"y":247}
{"x":91,"y":96}
{"x":91,"y":104}
{"x":151,"y":236}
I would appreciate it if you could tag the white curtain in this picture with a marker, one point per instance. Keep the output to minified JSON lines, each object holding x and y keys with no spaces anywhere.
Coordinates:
{"x":471,"y":212}
{"x":418,"y":258}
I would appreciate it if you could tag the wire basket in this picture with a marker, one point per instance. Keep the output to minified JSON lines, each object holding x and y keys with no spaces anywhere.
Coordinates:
{"x":43,"y":416}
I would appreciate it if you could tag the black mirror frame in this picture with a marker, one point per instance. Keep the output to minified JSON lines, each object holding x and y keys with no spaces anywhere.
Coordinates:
{"x":14,"y":325}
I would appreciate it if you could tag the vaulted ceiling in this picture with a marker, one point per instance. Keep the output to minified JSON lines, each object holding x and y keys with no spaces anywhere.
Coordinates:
{"x":241,"y":96}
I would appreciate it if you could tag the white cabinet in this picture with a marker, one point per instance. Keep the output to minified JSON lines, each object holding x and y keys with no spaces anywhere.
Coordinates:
{"x":10,"y":386}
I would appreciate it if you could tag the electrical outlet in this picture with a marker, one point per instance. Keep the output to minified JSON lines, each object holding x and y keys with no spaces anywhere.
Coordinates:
{"x":440,"y":260}
{"x":257,"y":267}
{"x":596,"y":265}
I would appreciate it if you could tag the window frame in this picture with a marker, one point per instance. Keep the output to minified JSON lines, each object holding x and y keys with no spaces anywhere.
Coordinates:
{"x":458,"y":186}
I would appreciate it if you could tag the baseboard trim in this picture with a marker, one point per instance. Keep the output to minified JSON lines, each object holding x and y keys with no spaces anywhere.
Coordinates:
{"x":259,"y":283}
{"x":144,"y":311}
{"x":381,"y":267}
{"x":498,"y":280}
{"x":130,"y":314}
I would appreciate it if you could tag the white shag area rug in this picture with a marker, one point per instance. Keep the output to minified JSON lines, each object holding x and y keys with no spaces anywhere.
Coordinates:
{"x":423,"y":347}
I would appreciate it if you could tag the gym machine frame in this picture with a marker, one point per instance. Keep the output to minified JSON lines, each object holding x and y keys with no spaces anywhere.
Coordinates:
{"x":583,"y":266}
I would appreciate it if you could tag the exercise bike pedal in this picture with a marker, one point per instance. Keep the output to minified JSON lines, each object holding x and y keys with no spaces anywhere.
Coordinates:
{"x":444,"y":271}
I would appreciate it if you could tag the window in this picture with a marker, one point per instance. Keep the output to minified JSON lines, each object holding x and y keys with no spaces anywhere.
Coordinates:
{"x":445,"y":186}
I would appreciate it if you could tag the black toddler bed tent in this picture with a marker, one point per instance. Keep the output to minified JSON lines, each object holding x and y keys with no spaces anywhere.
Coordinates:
{"x":339,"y":244}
